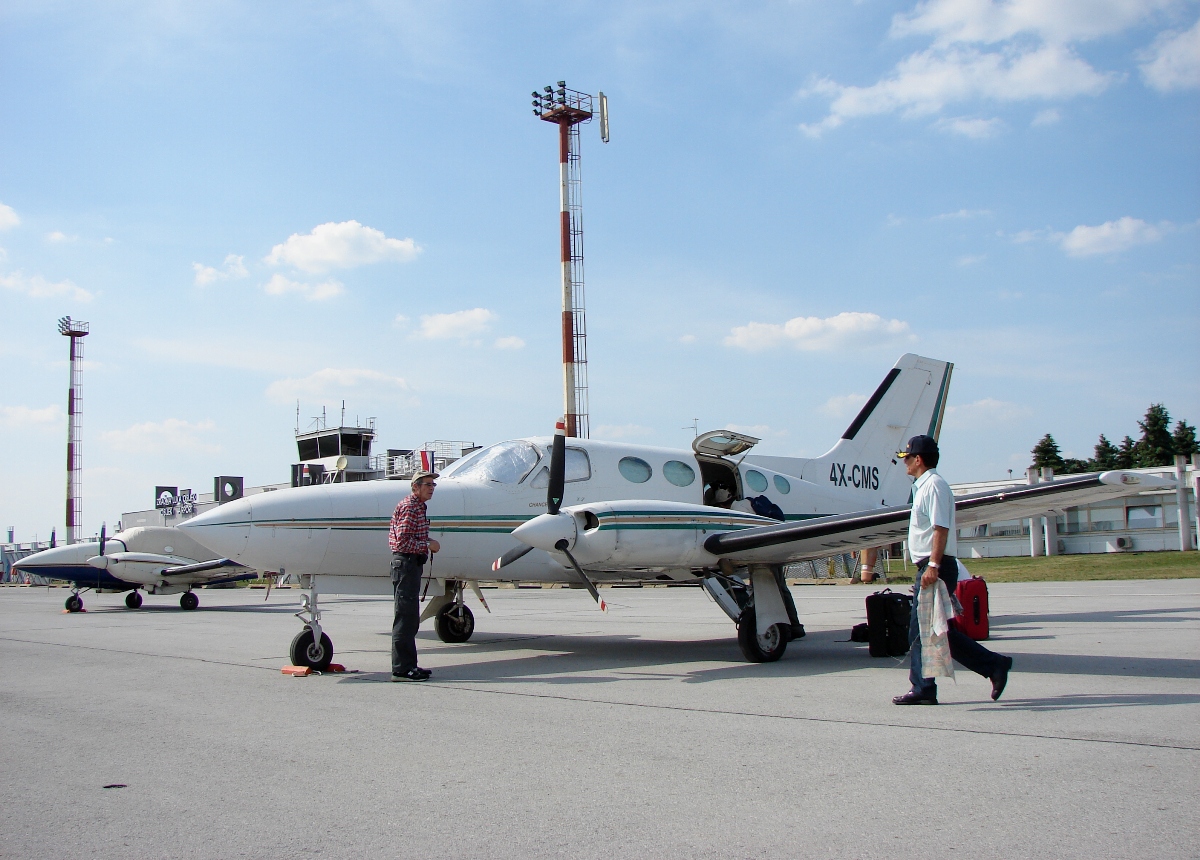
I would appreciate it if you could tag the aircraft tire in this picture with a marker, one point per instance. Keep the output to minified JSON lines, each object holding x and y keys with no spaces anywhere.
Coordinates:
{"x":305,"y":652}
{"x":134,"y":599}
{"x":188,"y":600}
{"x":760,"y":649}
{"x":74,"y":603}
{"x":452,"y":626}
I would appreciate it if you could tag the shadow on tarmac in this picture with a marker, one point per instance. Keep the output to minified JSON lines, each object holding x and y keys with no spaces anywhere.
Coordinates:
{"x":1093,"y":701}
{"x":590,"y":659}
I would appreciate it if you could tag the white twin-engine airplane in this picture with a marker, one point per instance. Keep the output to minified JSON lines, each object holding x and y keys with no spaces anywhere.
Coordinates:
{"x":583,"y":511}
{"x":155,"y":559}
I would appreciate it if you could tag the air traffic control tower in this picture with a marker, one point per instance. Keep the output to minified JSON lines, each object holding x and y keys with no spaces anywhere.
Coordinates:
{"x":335,"y":455}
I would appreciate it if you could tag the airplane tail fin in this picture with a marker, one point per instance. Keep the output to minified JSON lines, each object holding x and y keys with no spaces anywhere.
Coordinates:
{"x":911,"y":400}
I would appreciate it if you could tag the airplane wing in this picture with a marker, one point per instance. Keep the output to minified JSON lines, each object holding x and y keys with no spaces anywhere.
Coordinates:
{"x":823,"y":536}
{"x":199,"y":567}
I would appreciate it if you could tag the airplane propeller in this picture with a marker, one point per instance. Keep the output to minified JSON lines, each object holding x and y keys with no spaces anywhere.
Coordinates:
{"x":554,"y":499}
{"x":554,"y":492}
{"x":103,"y":539}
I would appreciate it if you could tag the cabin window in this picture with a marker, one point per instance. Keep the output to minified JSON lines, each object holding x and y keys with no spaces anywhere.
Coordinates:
{"x":577,"y":467}
{"x":505,"y":463}
{"x":635,"y":469}
{"x":756,"y":480}
{"x":783,"y":484}
{"x":679,"y":474}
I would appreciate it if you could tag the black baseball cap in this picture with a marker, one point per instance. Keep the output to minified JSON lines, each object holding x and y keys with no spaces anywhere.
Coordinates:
{"x":919,"y":445}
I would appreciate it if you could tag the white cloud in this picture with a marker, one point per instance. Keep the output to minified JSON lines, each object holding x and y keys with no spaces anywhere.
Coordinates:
{"x":970,"y":259}
{"x":1049,"y":116}
{"x":160,"y":437}
{"x":336,"y":382}
{"x":58,"y":238}
{"x":616,"y":432}
{"x":985,"y":413}
{"x":687,"y":338}
{"x":816,"y":333}
{"x":234,"y":267}
{"x":991,"y":22}
{"x":1173,"y":62}
{"x":927,"y":81}
{"x":974,"y":128}
{"x":38,"y":287}
{"x":1108,"y":238}
{"x":8,"y":218}
{"x":459,"y":324}
{"x":843,"y":405}
{"x":342,"y":245}
{"x":510,"y":342}
{"x":280,"y":286}
{"x":962,"y":214}
{"x":19,"y":417}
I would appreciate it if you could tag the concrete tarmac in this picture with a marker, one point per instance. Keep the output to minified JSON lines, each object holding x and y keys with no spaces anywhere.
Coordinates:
{"x":559,"y":731}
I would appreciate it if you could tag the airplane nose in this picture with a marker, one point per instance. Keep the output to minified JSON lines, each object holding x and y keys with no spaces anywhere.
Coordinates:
{"x":224,"y":530}
{"x":545,"y":531}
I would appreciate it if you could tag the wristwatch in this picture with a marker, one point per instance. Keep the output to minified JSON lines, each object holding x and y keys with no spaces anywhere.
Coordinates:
{"x":935,"y":565}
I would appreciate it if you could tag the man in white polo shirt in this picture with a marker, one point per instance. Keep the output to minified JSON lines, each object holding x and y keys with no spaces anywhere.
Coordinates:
{"x":933,"y":544}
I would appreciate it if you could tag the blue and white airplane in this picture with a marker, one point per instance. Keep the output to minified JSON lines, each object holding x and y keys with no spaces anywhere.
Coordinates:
{"x":156,"y":559}
{"x":584,"y":511}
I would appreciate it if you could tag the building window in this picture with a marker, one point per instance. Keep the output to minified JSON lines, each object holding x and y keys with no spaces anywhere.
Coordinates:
{"x":1145,"y":517}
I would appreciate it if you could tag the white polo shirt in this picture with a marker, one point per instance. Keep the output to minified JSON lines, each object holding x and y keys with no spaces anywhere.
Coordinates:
{"x":933,"y":505}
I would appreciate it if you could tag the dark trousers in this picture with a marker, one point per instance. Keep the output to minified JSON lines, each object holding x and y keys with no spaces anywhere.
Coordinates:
{"x":406,"y":585}
{"x":963,"y":648}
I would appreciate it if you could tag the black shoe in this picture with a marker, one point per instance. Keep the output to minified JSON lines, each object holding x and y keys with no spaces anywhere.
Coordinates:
{"x":1000,"y":679}
{"x":912,"y":698}
{"x":415,"y":674}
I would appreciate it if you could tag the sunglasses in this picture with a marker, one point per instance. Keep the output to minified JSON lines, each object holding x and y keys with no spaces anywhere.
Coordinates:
{"x":427,"y":484}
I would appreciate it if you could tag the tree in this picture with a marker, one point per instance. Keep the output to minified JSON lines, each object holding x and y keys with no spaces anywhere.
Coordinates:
{"x":1072,"y":466}
{"x":1105,"y":456}
{"x":1126,"y":453}
{"x":1046,"y":454}
{"x":1183,"y":440}
{"x":1155,"y":448}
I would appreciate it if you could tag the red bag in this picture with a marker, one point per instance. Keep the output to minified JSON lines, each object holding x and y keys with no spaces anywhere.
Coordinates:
{"x":973,"y":595}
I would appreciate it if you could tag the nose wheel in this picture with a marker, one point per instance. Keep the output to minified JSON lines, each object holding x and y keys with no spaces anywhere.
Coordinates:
{"x":188,"y":600}
{"x":134,"y":599}
{"x":74,"y":603}
{"x":454,"y":623}
{"x":308,"y":651}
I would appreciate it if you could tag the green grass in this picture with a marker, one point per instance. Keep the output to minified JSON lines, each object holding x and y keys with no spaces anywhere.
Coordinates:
{"x":1078,"y":568}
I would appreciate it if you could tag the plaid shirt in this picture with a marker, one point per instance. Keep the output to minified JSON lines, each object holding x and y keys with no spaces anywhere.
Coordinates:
{"x":410,"y":527}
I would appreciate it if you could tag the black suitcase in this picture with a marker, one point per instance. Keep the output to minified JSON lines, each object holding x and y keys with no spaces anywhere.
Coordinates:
{"x":887,"y":623}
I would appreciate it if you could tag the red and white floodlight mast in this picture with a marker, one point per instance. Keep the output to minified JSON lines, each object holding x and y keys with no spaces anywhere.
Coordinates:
{"x":76,"y":331}
{"x":569,"y":109}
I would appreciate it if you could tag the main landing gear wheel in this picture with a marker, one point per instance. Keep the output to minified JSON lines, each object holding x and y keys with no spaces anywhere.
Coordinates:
{"x":454,"y":623}
{"x":74,"y":603}
{"x":307,"y":652}
{"x":134,"y":599}
{"x":766,"y":648}
{"x":188,"y":600}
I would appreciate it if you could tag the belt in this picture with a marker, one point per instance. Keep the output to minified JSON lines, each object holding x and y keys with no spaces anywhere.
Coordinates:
{"x":419,"y":556}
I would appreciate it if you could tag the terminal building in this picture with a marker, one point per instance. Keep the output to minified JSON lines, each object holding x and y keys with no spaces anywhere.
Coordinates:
{"x":1147,"y":522}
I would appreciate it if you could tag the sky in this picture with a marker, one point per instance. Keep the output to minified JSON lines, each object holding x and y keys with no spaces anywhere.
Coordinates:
{"x":259,"y":204}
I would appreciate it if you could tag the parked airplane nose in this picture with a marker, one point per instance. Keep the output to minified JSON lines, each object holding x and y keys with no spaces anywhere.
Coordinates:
{"x":224,"y":530}
{"x":545,"y":531}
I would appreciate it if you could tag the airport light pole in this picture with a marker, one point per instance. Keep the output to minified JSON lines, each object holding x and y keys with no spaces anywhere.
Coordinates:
{"x":76,"y":330}
{"x":568,"y":109}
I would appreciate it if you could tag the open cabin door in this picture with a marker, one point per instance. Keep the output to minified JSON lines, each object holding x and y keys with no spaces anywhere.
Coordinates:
{"x":722,"y":485}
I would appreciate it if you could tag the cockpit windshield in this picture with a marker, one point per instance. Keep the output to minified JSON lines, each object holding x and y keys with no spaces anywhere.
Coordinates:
{"x":504,"y":463}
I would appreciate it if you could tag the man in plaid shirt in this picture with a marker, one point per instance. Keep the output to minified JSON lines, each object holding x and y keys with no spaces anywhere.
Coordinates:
{"x":411,"y":546}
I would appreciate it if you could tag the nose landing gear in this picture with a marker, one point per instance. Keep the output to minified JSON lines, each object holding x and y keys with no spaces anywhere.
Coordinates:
{"x":311,"y":647}
{"x":74,"y":603}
